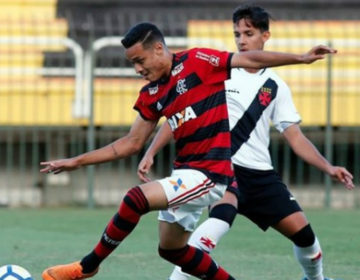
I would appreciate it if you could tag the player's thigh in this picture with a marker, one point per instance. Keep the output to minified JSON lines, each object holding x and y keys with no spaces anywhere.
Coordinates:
{"x":172,"y":235}
{"x":291,"y":224}
{"x":228,"y":198}
{"x":188,"y":192}
{"x":191,"y":188}
{"x":155,"y":195}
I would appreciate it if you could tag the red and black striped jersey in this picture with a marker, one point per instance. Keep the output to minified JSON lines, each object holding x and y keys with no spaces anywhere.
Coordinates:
{"x":193,"y":100}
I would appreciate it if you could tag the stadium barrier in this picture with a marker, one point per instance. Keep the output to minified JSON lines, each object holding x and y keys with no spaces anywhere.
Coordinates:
{"x":39,"y":120}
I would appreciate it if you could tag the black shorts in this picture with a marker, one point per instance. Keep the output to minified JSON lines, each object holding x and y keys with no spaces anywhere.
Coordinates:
{"x":263,"y":197}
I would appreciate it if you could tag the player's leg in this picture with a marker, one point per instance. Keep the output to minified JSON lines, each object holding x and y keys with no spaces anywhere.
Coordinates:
{"x":209,"y":233}
{"x":306,"y":246}
{"x":174,"y":248}
{"x":188,"y":192}
{"x":285,"y":215}
{"x":137,"y":202}
{"x":221,"y":217}
{"x":268,"y":202}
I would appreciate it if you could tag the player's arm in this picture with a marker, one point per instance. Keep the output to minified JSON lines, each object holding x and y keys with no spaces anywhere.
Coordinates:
{"x":309,"y":153}
{"x":162,"y":137}
{"x":261,"y":59}
{"x":121,"y":148}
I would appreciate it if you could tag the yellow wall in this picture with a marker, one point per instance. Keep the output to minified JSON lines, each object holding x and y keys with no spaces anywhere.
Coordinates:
{"x":29,"y":99}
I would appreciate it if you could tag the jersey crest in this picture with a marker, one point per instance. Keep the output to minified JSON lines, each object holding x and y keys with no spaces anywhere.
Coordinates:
{"x":181,"y":87}
{"x":265,"y":96}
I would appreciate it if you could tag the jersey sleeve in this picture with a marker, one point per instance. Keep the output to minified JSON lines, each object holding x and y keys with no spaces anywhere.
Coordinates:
{"x":285,"y":113}
{"x":213,"y":66}
{"x":143,"y":106}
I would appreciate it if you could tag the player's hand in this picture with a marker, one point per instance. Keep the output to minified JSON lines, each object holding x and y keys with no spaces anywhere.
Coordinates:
{"x":317,"y":53}
{"x":340,"y":174}
{"x":58,"y":166}
{"x":144,"y":168}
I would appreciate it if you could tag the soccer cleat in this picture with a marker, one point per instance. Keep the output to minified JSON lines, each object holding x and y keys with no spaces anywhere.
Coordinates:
{"x":72,"y":271}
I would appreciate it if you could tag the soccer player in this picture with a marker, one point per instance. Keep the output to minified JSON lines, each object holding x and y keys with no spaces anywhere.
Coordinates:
{"x":254,"y":97}
{"x":188,"y":89}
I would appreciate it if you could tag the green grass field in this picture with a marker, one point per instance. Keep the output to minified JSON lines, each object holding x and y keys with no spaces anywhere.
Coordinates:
{"x":38,"y":238}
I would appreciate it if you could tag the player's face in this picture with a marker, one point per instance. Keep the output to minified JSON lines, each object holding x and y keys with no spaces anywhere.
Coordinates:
{"x":150,"y":63}
{"x":249,"y":38}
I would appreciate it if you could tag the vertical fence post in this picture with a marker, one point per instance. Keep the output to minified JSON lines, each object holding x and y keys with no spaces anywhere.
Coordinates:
{"x":89,"y":91}
{"x":328,"y":129}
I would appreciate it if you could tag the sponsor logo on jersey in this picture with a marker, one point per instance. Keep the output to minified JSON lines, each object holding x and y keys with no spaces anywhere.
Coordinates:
{"x":265,"y":96}
{"x":233,"y":90}
{"x":181,"y":117}
{"x":212,"y":59}
{"x":153,"y":90}
{"x":177,"y":69}
{"x":178,"y":184}
{"x":181,"y":86}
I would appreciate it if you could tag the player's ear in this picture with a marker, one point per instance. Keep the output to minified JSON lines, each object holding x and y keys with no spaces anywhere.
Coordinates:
{"x":158,"y":48}
{"x":266,"y":35}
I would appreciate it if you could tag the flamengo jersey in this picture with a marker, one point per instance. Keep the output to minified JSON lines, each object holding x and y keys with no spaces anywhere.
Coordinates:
{"x":255,"y":99}
{"x":193,"y":100}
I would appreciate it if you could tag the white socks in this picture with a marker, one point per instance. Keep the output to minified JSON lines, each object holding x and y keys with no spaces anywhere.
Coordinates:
{"x":205,"y":237}
{"x":208,"y":234}
{"x":310,"y":259}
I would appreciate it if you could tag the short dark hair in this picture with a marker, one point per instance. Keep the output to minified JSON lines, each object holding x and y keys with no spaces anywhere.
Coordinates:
{"x":257,"y":16}
{"x":145,"y":32}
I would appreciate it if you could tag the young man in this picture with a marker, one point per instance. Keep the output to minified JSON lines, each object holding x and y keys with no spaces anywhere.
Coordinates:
{"x":188,"y":89}
{"x":254,"y":97}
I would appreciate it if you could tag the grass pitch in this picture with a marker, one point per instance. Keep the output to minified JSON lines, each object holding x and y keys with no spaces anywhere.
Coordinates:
{"x":38,"y":238}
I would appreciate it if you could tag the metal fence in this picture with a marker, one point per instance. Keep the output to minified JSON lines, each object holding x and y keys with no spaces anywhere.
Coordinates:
{"x":59,"y":99}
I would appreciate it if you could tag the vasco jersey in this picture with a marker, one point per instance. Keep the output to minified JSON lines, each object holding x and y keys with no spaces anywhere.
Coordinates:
{"x":254,"y":100}
{"x":193,"y":100}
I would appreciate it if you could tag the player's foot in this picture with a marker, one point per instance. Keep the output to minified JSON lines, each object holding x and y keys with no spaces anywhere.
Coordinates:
{"x":72,"y":271}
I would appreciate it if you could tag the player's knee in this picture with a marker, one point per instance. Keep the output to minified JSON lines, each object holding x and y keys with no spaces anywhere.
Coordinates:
{"x":304,"y":237}
{"x":136,"y":200}
{"x":224,"y":212}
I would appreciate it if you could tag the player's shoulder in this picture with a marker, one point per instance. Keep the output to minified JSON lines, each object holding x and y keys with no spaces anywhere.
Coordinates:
{"x":150,"y":91}
{"x":271,"y":73}
{"x":188,"y":55}
{"x":147,"y":86}
{"x":204,"y":53}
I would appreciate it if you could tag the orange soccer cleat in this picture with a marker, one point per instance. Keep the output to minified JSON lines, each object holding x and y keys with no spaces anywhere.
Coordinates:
{"x":72,"y":271}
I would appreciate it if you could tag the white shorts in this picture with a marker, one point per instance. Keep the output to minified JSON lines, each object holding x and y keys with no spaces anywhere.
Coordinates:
{"x":188,"y":191}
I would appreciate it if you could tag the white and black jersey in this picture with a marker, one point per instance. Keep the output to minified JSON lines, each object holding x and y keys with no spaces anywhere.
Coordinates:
{"x":254,"y":101}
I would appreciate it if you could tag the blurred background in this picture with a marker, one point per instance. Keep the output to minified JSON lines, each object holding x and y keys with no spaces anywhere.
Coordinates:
{"x":65,"y":88}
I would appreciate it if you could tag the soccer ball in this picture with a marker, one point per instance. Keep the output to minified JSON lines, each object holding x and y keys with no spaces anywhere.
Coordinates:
{"x":14,"y":272}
